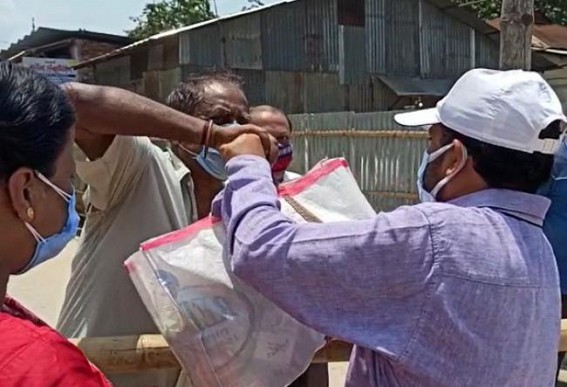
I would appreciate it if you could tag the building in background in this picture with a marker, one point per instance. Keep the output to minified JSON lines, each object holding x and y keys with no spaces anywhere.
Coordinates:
{"x":53,"y":52}
{"x":310,"y":56}
{"x":550,"y":41}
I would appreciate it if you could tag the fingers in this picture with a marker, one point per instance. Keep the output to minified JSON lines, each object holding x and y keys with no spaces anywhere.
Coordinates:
{"x":269,"y":143}
{"x":270,"y":146}
{"x":223,"y":136}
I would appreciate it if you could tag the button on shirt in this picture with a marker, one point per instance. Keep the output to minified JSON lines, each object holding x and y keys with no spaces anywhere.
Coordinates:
{"x":436,"y":294}
{"x":555,"y":225}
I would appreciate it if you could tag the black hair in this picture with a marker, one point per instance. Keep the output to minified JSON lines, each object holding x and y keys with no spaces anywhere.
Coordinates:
{"x":272,"y":109}
{"x":507,"y":168}
{"x":189,"y":96}
{"x":35,"y":121}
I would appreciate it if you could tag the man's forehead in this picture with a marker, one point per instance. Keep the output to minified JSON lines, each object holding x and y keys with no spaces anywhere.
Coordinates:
{"x":268,"y":117}
{"x":224,"y":90}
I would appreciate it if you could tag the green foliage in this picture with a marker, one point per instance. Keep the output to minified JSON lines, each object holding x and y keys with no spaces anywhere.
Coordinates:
{"x":165,"y":15}
{"x":555,"y":10}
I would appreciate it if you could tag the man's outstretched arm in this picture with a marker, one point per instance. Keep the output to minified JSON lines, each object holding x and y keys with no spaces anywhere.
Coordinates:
{"x":104,"y":112}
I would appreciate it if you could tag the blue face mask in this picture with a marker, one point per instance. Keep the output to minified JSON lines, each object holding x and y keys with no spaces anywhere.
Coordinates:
{"x":50,"y":247}
{"x":213,"y":163}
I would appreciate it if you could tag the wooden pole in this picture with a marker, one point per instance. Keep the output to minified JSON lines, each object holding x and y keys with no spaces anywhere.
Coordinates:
{"x":516,"y":25}
{"x":117,"y":355}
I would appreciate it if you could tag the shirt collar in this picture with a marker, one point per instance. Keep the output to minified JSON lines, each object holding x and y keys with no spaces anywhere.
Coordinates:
{"x":181,"y":169}
{"x":529,"y":207}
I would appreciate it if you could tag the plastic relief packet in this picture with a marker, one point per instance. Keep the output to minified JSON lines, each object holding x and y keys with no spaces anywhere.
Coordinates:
{"x":224,"y":333}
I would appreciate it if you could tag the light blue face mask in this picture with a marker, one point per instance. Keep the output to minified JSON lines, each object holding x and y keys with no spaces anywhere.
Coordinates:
{"x":213,"y":163}
{"x":47,"y":248}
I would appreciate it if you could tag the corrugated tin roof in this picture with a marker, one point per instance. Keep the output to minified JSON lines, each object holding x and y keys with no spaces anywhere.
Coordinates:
{"x":176,"y":31}
{"x":406,"y":87}
{"x":554,"y":35}
{"x":551,"y":38}
{"x":454,"y":10}
{"x":43,"y":36}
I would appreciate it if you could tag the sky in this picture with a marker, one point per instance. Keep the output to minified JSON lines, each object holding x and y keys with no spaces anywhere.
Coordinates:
{"x":110,"y":16}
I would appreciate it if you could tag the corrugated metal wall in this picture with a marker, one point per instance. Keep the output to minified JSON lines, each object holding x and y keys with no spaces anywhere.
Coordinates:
{"x":296,"y":55}
{"x":433,"y":40}
{"x":376,"y":36}
{"x":285,"y":90}
{"x":254,"y":85}
{"x":383,"y":156}
{"x":138,"y":63}
{"x":487,"y":52}
{"x":242,"y":42}
{"x":322,"y":37}
{"x":352,"y":56}
{"x":284,"y":37}
{"x":402,"y":45}
{"x":201,"y":46}
{"x":159,"y":84}
{"x":323,"y":93}
{"x":558,"y":80}
{"x":457,"y":48}
{"x":115,"y":72}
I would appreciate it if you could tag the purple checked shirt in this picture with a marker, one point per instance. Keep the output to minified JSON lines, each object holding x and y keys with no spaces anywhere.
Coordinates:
{"x":456,"y":294}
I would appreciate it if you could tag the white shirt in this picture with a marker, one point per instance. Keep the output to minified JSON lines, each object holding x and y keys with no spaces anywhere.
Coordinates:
{"x":136,"y":192}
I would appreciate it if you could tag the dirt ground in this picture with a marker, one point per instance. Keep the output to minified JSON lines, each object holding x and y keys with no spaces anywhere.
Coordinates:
{"x":42,"y":290}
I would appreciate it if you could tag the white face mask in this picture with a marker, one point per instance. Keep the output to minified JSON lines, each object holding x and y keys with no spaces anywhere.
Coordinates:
{"x":427,"y":159}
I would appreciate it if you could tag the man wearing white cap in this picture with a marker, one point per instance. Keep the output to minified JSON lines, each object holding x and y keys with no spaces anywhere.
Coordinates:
{"x":436,"y":294}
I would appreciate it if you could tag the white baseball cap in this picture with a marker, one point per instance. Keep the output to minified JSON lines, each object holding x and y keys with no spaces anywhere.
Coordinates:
{"x":503,"y":108}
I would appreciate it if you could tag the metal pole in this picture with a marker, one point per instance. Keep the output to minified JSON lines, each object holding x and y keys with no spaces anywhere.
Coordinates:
{"x":516,"y":25}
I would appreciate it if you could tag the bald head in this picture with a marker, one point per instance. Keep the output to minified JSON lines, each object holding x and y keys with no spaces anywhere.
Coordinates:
{"x":273,"y":120}
{"x":215,"y":95}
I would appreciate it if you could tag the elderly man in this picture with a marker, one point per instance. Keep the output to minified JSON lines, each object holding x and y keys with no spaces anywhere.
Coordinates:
{"x":137,"y":191}
{"x":436,"y":294}
{"x":279,"y":126}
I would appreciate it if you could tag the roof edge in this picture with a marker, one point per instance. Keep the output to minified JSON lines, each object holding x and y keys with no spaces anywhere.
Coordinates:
{"x":141,"y":43}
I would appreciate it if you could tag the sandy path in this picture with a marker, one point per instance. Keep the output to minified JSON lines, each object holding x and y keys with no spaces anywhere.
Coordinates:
{"x":42,"y":290}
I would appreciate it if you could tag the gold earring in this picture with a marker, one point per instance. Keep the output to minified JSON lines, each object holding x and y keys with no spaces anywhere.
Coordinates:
{"x":30,"y":213}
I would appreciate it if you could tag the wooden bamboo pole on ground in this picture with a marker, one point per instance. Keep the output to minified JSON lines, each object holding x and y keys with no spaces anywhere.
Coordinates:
{"x":130,"y":354}
{"x":516,"y":26}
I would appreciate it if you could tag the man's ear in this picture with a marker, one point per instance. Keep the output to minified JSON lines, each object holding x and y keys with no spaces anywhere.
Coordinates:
{"x":454,"y":158}
{"x":22,"y":194}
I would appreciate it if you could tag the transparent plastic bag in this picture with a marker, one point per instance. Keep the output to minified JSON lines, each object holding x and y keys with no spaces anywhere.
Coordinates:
{"x":224,"y":333}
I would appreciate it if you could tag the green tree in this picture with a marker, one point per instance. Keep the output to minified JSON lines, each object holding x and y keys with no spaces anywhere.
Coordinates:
{"x":555,"y":10}
{"x":253,"y":4}
{"x":165,"y":15}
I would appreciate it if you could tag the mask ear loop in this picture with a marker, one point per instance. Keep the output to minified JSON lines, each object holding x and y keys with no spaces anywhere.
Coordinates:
{"x":445,"y":180}
{"x":189,"y":152}
{"x":33,"y":231}
{"x":435,"y":155}
{"x":67,"y":197}
{"x":59,"y":191}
